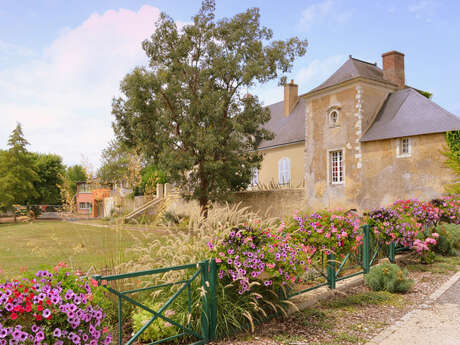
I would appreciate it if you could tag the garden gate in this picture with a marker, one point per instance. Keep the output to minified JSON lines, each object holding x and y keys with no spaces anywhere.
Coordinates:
{"x":207,"y":270}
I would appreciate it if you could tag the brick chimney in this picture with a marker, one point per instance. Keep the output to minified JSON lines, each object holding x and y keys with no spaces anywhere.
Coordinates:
{"x":291,"y":97}
{"x":393,"y":68}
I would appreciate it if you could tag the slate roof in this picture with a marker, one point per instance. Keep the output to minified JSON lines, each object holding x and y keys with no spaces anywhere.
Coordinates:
{"x":351,"y":69}
{"x":407,"y":113}
{"x":288,"y":129}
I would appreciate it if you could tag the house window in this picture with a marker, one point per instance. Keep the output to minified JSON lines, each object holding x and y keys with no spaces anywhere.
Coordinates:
{"x":254,"y":177}
{"x":404,"y":147}
{"x":333,"y":118}
{"x":284,"y":171}
{"x":85,"y":205}
{"x":337,"y":173}
{"x":85,"y":188}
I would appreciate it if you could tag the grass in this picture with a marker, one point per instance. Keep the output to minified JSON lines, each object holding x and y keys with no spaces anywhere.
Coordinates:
{"x":39,"y":245}
{"x":363,"y":299}
{"x":441,"y":265}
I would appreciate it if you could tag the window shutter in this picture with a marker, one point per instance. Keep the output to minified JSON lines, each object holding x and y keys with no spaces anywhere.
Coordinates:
{"x":284,"y":171}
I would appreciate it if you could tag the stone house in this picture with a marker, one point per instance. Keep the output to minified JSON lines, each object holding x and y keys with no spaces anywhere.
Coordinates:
{"x":361,"y":139}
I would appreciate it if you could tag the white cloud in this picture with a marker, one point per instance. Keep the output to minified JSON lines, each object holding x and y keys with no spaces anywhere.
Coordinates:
{"x":63,"y":98}
{"x":326,"y":11}
{"x":424,"y":10}
{"x":318,"y":71}
{"x":307,"y":78}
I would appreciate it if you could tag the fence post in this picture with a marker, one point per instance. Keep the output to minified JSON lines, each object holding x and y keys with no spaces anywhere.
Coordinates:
{"x":331,"y":271}
{"x":204,"y":266}
{"x":366,"y":250}
{"x":392,"y":252}
{"x":212,"y":300}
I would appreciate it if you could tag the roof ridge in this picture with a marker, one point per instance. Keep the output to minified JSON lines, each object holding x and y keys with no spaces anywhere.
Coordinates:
{"x":369,"y":63}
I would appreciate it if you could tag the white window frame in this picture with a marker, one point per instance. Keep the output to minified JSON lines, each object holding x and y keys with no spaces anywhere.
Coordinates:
{"x":341,"y":179}
{"x":254,"y":177}
{"x":399,"y":148}
{"x":332,"y":123}
{"x":284,"y":171}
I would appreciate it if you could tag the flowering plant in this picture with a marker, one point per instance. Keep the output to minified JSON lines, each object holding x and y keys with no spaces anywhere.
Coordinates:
{"x":390,"y":225}
{"x":51,"y":308}
{"x":327,"y":231}
{"x":424,"y":247}
{"x":448,"y":209}
{"x":423,"y":212}
{"x":250,"y":253}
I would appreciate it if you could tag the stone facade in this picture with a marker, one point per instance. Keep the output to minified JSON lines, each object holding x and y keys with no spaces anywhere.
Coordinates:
{"x":374,"y":175}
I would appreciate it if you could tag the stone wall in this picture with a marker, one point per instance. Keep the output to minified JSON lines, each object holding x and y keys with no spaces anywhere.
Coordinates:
{"x":273,"y":203}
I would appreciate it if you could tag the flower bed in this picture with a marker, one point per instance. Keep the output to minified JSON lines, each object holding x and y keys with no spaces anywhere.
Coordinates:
{"x":250,"y":253}
{"x":59,"y":308}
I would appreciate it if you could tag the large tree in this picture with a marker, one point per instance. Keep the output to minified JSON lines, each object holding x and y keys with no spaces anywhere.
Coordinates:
{"x":17,"y":174}
{"x":189,"y":110}
{"x":49,"y":169}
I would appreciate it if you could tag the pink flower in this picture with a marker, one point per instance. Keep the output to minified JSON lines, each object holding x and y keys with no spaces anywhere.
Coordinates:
{"x":218,"y":260}
{"x":435,"y":234}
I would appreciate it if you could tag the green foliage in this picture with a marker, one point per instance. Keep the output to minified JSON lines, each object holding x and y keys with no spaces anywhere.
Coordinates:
{"x":49,"y":169}
{"x":189,"y":110}
{"x":453,"y":159}
{"x":446,"y":242}
{"x":388,"y":277}
{"x":114,"y":163}
{"x":159,"y":329}
{"x":75,"y":173}
{"x":17,"y":173}
{"x":150,"y":177}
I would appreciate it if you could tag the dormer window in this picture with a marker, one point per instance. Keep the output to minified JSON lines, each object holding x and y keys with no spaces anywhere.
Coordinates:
{"x":333,"y":118}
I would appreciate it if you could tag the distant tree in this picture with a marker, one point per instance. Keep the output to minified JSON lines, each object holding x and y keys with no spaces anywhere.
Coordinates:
{"x":150,"y":177}
{"x":115,"y":160}
{"x":453,"y":159}
{"x":189,"y":111}
{"x":75,"y":173}
{"x":17,"y":174}
{"x":49,"y":169}
{"x":68,"y":185}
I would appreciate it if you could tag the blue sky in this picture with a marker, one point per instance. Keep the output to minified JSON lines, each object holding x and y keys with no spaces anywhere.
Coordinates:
{"x":61,"y":61}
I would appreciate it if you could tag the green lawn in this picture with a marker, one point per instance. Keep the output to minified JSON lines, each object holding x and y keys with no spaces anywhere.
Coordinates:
{"x":43,"y":244}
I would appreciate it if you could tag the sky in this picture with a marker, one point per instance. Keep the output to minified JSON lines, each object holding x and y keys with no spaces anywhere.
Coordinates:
{"x":61,"y":62}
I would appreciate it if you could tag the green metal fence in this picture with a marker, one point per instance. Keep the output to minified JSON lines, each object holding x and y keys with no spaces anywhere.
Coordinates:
{"x":207,"y":270}
{"x":368,"y":252}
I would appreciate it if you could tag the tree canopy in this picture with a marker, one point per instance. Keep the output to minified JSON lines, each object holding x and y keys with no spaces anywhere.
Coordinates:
{"x":49,"y":169}
{"x":17,"y":174}
{"x":189,"y":111}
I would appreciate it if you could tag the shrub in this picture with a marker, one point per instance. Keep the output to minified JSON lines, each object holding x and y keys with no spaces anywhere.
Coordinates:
{"x":327,"y":231}
{"x":422,"y":212}
{"x":447,"y":240}
{"x":388,"y":277}
{"x":389,"y":225}
{"x":158,"y":329}
{"x":250,"y":253}
{"x":448,"y":209}
{"x":59,"y":308}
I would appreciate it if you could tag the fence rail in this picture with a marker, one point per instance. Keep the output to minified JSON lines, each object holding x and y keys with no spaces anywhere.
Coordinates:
{"x":207,"y":270}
